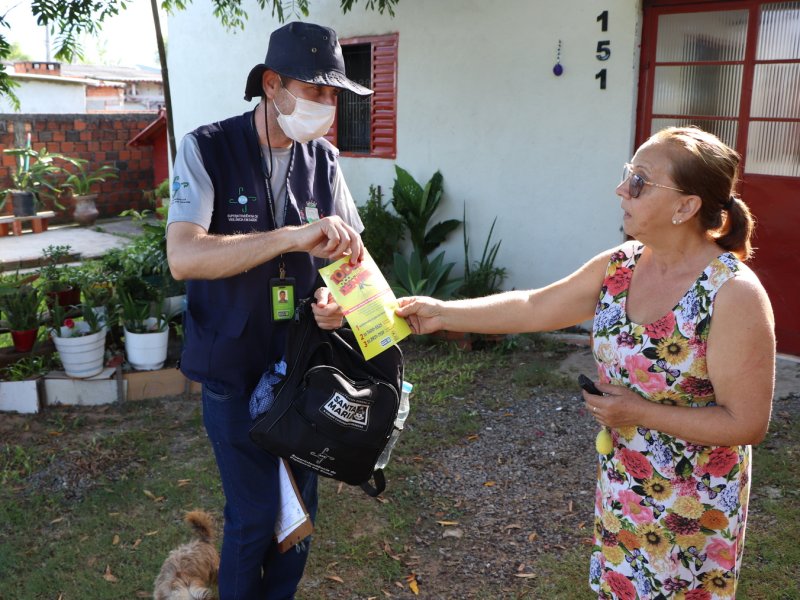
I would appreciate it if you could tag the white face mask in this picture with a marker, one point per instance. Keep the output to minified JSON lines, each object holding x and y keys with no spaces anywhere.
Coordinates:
{"x":308,"y":121}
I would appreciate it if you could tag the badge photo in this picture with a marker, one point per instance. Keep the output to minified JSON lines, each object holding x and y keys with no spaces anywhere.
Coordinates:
{"x":282,"y":297}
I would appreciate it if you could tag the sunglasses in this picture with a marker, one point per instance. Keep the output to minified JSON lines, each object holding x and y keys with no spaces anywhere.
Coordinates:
{"x":636,"y":182}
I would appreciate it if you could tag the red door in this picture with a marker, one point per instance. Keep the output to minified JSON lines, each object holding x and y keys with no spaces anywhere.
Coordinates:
{"x":733,"y":68}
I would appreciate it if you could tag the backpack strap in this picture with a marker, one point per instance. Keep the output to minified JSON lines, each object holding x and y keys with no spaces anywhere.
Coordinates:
{"x":380,"y":484}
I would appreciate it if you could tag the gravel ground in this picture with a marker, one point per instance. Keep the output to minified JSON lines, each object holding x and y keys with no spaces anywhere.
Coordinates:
{"x":520,"y":487}
{"x":523,"y":486}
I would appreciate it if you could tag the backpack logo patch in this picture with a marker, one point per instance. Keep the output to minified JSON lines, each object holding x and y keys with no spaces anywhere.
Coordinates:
{"x":346,"y":411}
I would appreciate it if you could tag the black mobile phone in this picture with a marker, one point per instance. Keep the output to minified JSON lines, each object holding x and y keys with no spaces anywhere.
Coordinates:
{"x":588,"y":385}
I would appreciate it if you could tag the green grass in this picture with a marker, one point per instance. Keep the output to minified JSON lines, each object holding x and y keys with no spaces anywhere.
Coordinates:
{"x":58,"y":545}
{"x":771,"y":564}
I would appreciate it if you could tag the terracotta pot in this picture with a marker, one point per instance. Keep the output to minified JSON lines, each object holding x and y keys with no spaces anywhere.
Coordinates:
{"x":24,"y":340}
{"x":85,"y":212}
{"x":481,"y":341}
{"x":460,"y":339}
{"x":69,"y":296}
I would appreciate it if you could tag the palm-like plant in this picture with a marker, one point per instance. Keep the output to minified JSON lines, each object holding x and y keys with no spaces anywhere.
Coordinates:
{"x":81,"y":180}
{"x":422,"y":277}
{"x":136,"y":315}
{"x":37,"y":172}
{"x":416,"y":206}
{"x":481,"y":277}
{"x":20,"y":306}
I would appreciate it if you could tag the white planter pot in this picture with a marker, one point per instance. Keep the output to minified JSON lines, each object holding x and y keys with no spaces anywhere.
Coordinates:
{"x":81,"y":356}
{"x":147,"y":351}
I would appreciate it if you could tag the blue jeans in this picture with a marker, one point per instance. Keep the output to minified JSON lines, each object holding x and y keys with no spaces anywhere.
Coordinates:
{"x":251,"y":568}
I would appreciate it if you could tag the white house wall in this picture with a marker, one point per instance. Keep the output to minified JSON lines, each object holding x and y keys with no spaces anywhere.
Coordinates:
{"x":37,"y":97}
{"x":477,"y":99}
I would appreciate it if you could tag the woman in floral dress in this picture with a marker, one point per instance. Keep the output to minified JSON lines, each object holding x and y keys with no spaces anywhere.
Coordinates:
{"x":684,"y":341}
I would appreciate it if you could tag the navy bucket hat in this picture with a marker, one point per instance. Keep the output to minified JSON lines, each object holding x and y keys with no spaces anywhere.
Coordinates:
{"x":306,"y":52}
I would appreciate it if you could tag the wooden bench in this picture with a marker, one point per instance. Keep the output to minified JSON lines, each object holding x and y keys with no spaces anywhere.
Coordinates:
{"x":38,"y":222}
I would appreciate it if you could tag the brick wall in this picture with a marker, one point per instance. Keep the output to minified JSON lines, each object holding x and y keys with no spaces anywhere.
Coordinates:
{"x":100,"y":139}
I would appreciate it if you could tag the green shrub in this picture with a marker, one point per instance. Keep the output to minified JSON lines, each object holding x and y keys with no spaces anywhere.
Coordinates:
{"x":383,"y":230}
{"x":481,"y":277}
{"x":416,"y":206}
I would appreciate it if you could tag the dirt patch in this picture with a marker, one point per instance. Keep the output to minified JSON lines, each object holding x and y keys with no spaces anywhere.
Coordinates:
{"x":511,"y":491}
{"x":68,"y":451}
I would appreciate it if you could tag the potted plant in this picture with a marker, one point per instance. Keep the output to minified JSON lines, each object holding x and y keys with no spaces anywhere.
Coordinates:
{"x":96,"y":283}
{"x":80,"y":182}
{"x":146,"y":336}
{"x":145,"y":271}
{"x":160,"y":198}
{"x":20,"y":305}
{"x":58,"y":279}
{"x":81,"y":344}
{"x":36,"y":176}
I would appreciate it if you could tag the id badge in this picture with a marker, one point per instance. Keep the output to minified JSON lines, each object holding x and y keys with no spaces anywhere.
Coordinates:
{"x":282,"y":297}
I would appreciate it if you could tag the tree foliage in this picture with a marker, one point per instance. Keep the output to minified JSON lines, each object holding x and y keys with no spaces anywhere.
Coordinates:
{"x":68,"y":19}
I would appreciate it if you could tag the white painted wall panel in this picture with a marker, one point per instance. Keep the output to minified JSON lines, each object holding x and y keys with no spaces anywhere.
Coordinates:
{"x":39,"y":97}
{"x":477,"y":99}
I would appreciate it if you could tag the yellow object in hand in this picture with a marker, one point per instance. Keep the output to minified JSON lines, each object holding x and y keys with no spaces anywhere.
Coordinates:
{"x":603,"y":442}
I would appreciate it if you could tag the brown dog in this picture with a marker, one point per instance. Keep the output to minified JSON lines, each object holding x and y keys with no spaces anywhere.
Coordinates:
{"x":190,"y":570}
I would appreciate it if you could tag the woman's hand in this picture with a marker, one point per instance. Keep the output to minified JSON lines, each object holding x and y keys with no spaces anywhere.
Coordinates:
{"x":618,"y":407}
{"x":327,"y":312}
{"x":422,"y":313}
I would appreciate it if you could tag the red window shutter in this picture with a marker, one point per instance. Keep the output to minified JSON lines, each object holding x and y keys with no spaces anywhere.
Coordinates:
{"x":383,"y":127}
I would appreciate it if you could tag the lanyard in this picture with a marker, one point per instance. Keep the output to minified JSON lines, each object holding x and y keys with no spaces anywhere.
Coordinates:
{"x":267,"y":170}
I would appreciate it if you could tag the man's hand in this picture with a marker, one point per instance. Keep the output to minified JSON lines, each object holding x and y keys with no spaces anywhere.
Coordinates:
{"x":326,"y":311}
{"x":330,"y":238}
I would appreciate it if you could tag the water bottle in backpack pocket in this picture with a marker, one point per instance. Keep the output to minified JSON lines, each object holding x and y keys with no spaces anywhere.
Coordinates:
{"x":399,"y":422}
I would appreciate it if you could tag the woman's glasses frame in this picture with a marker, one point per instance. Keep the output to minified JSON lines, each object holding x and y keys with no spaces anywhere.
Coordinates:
{"x":636,"y":182}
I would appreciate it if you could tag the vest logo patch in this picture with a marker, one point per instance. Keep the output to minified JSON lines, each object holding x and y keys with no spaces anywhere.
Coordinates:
{"x":346,"y":411}
{"x":311,"y":211}
{"x":242,"y":201}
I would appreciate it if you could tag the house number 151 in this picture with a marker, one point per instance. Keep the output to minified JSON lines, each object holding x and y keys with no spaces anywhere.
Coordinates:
{"x":603,"y":52}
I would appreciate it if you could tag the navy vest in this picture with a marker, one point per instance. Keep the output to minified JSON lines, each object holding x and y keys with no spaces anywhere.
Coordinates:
{"x":229,"y":338}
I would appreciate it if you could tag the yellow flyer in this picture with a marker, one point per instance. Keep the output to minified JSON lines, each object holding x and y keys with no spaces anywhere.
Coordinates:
{"x":367,"y":302}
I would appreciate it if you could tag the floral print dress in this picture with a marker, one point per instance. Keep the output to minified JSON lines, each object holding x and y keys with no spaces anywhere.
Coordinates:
{"x":669,"y":514}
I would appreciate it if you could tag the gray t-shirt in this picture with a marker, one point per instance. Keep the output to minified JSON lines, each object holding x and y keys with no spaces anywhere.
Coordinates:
{"x":196,"y":203}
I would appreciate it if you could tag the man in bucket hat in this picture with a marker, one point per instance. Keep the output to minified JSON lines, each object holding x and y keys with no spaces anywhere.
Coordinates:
{"x":258,"y":205}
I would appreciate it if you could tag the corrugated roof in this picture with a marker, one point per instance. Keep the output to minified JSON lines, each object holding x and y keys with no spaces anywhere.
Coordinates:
{"x":112,"y":73}
{"x":64,"y":80}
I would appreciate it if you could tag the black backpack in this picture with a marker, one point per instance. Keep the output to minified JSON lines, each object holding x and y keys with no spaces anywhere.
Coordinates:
{"x":334,"y":411}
